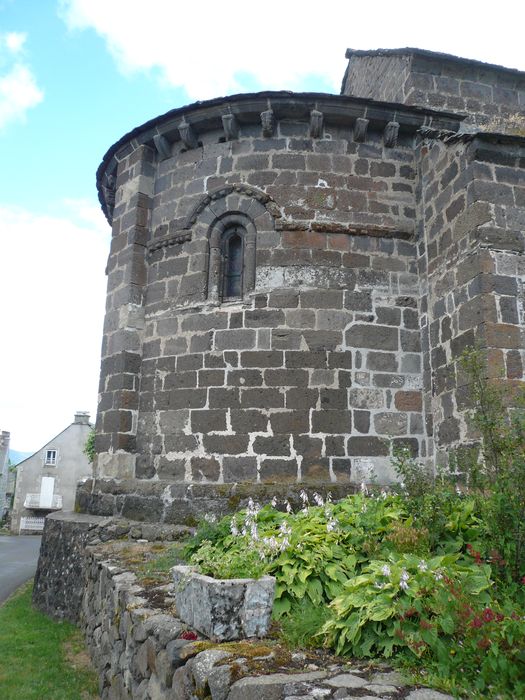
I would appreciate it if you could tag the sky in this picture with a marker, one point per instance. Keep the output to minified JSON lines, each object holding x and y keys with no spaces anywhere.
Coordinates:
{"x":76,"y":75}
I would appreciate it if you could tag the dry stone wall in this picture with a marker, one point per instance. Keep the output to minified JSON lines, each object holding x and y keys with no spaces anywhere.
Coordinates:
{"x":140,"y":652}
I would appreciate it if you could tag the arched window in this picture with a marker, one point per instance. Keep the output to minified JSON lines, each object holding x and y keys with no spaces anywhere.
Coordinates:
{"x":232,"y":245}
{"x":231,"y":272}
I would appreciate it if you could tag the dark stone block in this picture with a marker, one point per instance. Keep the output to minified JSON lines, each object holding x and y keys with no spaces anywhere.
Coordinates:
{"x":290,"y":421}
{"x":279,"y":470}
{"x":381,"y":362}
{"x":262,"y":398}
{"x":225,"y":444}
{"x":286,"y":377}
{"x":262,"y":359}
{"x":331,"y":421}
{"x":174,"y":469}
{"x":248,"y":421}
{"x":187,"y":398}
{"x":208,"y":420}
{"x":316,"y":469}
{"x":317,"y":360}
{"x":342,"y":468}
{"x":301,"y":398}
{"x":368,"y":446}
{"x":373,"y":336}
{"x":203,"y":468}
{"x":362,"y":421}
{"x":341,"y":360}
{"x":239,"y":469}
{"x":142,"y":508}
{"x":333,"y":399}
{"x":263,"y":318}
{"x":224,"y":398}
{"x":273,"y":445}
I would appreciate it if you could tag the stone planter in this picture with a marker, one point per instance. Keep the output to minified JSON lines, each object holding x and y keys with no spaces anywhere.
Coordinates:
{"x":223,"y":609}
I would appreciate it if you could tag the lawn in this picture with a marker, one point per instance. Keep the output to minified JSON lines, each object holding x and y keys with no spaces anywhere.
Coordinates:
{"x":41,"y":659}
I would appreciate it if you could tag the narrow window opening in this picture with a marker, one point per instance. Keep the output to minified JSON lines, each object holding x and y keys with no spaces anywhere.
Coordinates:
{"x":232,"y":253}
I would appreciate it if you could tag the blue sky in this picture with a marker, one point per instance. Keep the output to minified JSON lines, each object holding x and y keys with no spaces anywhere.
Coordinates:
{"x":75,"y":75}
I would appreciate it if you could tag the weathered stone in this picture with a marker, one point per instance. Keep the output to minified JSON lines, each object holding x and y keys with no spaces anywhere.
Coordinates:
{"x":223,"y":609}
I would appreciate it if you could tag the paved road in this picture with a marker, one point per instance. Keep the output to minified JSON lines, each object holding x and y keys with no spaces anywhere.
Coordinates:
{"x":18,"y":560}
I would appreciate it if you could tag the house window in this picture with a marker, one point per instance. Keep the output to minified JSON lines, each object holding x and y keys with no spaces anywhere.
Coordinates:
{"x":232,"y":244}
{"x":50,"y":459}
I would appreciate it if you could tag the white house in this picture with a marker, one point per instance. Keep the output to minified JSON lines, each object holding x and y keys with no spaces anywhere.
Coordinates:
{"x":47,"y":480}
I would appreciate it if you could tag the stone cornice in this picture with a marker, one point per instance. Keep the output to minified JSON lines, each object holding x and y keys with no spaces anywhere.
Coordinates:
{"x":184,"y":124}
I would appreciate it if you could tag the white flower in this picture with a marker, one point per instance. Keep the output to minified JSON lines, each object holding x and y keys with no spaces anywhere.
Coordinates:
{"x":318,"y":499}
{"x":288,"y":507}
{"x":403,"y":584}
{"x":422,"y":566}
{"x":329,"y":497}
{"x":404,"y":579}
{"x":233,"y":529}
{"x":438,"y":575}
{"x":254,"y":534}
{"x":285,"y":529}
{"x":285,"y":543}
{"x":274,"y":502}
{"x":331,"y":525}
{"x":210,"y":518}
{"x":385,"y":570}
{"x":384,"y":494}
{"x":364,"y":489}
{"x":304,"y":497}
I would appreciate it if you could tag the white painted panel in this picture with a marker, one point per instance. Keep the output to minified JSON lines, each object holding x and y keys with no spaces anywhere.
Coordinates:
{"x":46,"y":491}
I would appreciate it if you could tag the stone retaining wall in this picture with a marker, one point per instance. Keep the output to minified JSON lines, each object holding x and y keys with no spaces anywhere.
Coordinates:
{"x":60,"y":575}
{"x":139,"y":653}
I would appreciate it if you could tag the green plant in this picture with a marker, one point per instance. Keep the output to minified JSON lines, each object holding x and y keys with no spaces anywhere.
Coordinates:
{"x":401,"y":603}
{"x":41,"y":658}
{"x":89,"y":447}
{"x":499,"y":472}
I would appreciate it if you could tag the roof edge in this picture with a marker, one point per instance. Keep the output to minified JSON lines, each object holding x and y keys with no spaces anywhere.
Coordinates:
{"x":413,"y":51}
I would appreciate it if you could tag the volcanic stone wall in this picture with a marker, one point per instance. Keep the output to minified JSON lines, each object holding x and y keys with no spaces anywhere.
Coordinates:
{"x":473,"y":273}
{"x":316,"y":372}
{"x":322,"y":361}
{"x":415,"y":77}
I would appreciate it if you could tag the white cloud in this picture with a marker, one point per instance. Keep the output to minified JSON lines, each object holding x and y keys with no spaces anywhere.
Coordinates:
{"x":15,"y":41}
{"x":18,"y":88}
{"x":211,"y":48}
{"x":53,"y":289}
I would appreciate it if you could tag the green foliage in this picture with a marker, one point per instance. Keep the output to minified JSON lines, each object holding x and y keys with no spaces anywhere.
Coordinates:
{"x":433,"y":575}
{"x":299,"y":628}
{"x":89,"y":447}
{"x":499,"y":472}
{"x":229,"y":561}
{"x":41,"y":658}
{"x":401,"y":602}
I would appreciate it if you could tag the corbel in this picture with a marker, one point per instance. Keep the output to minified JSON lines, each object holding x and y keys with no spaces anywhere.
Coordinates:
{"x":316,"y":123}
{"x":230,"y":126}
{"x":390,"y":134}
{"x":360,"y":129}
{"x":187,"y":135}
{"x":267,"y":122}
{"x":162,"y":145}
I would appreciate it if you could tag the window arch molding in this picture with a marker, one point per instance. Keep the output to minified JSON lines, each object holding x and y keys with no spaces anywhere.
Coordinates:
{"x":231,"y":229}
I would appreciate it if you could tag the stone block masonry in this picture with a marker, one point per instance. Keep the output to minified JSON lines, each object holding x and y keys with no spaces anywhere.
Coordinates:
{"x":293,"y":277}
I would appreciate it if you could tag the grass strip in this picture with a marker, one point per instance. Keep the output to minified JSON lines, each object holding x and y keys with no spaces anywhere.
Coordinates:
{"x":41,"y":659}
